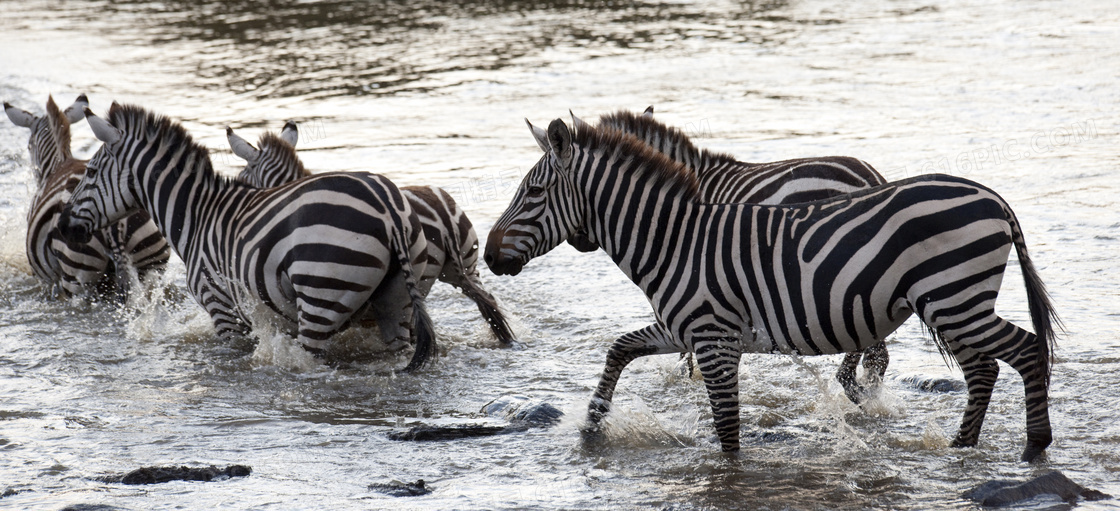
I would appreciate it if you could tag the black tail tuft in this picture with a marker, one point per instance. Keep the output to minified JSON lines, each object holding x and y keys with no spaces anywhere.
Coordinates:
{"x":488,"y":306}
{"x":1043,"y":316}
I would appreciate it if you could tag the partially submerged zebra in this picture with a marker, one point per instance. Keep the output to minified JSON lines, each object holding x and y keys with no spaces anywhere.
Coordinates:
{"x":831,"y":276}
{"x":452,"y":242}
{"x":99,"y":267}
{"x":723,"y":179}
{"x":318,"y":252}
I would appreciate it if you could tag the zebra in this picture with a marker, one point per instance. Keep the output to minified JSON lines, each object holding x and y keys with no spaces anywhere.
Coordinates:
{"x":97,"y":268}
{"x":452,"y":242}
{"x":724,"y":179}
{"x":318,"y":252}
{"x":824,"y":277}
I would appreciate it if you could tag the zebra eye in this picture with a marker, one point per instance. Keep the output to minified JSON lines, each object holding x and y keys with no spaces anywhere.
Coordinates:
{"x":535,"y":191}
{"x":91,"y":172}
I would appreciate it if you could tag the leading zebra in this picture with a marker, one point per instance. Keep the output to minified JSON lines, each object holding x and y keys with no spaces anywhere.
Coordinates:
{"x":318,"y":252}
{"x":100,"y":266}
{"x":825,"y":277}
{"x":723,"y":179}
{"x":452,"y":242}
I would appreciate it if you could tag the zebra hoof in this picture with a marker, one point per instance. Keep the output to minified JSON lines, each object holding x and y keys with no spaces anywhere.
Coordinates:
{"x":1036,"y":449}
{"x":318,"y":353}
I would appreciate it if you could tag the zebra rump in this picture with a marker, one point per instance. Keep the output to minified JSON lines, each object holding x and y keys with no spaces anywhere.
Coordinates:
{"x":319,"y":252}
{"x":452,"y":242}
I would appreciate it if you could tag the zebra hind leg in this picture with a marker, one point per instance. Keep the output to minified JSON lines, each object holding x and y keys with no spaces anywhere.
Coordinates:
{"x":846,"y":375}
{"x":1019,"y":348}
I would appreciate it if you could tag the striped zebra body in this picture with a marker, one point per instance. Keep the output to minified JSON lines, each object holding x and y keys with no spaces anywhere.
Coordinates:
{"x":452,"y":241}
{"x":318,"y":252}
{"x":101,"y":266}
{"x":723,"y":179}
{"x":832,"y":276}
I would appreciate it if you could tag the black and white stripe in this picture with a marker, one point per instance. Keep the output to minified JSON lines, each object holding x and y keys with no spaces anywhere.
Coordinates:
{"x":825,"y":277}
{"x":723,"y":179}
{"x":318,"y":252}
{"x":100,"y":267}
{"x":452,"y":242}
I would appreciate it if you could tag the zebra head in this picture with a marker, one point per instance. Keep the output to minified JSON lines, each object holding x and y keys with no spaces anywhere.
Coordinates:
{"x":49,"y":143}
{"x":275,"y":163}
{"x":543,"y":212}
{"x":106,"y":194}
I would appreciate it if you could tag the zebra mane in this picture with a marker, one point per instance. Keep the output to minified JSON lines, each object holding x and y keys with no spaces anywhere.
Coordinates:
{"x":664,"y":171}
{"x":671,"y":141}
{"x":271,"y":143}
{"x":138,"y":123}
{"x":60,"y":129}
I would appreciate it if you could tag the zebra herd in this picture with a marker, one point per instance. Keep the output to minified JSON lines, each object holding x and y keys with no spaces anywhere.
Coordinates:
{"x":808,"y":256}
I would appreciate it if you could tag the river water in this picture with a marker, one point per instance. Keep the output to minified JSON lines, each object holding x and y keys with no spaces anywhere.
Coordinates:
{"x":1020,"y":96}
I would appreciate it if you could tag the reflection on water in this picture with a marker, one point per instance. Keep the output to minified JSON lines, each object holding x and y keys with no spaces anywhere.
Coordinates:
{"x":357,"y":47}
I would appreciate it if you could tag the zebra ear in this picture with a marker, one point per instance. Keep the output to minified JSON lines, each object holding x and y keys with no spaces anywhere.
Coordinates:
{"x":648,"y":112}
{"x":19,"y":116}
{"x":540,"y":135}
{"x":577,"y":122}
{"x":560,"y":140}
{"x":290,"y":133}
{"x":241,"y":148}
{"x":104,"y":131}
{"x":76,"y":112}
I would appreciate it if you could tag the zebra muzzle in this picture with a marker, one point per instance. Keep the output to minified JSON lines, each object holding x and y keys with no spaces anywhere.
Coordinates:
{"x":70,"y":230}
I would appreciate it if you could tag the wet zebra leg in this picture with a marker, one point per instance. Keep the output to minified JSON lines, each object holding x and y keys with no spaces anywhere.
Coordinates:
{"x":718,"y":360}
{"x":650,"y":340}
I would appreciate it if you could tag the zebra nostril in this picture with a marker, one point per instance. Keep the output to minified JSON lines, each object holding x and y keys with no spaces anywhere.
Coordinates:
{"x":489,"y":258}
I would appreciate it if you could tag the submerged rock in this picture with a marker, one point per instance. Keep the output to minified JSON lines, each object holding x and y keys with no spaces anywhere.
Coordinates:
{"x":521,"y":412}
{"x":155,"y":475}
{"x":399,"y":489}
{"x":1008,"y":493}
{"x":523,"y":409}
{"x":938,"y":385}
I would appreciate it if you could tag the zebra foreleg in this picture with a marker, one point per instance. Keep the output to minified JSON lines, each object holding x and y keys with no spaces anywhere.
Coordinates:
{"x":651,"y":340}
{"x":719,"y":364}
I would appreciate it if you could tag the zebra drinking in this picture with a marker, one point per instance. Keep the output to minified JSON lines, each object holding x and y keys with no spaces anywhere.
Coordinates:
{"x":452,"y":242}
{"x":825,"y":277}
{"x":319,"y":252}
{"x":723,"y":179}
{"x":99,"y":266}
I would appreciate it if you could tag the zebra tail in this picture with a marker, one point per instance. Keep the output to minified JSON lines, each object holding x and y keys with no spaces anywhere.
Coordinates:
{"x":488,"y":306}
{"x":422,"y":328}
{"x":1043,"y":316}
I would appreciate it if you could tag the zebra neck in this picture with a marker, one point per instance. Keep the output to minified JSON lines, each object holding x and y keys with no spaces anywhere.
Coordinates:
{"x":189,"y":202}
{"x":648,"y":216}
{"x":49,"y":155}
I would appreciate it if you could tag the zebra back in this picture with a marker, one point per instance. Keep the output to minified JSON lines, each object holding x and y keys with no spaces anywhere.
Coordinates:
{"x":723,"y":179}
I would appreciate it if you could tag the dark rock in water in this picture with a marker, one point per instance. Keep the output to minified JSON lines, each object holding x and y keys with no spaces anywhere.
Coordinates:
{"x":399,"y":489}
{"x":522,"y":412}
{"x":1007,"y":493}
{"x":155,"y":475}
{"x":90,"y":507}
{"x":938,"y":385}
{"x":523,"y":409}
{"x":426,"y":433}
{"x":9,"y":492}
